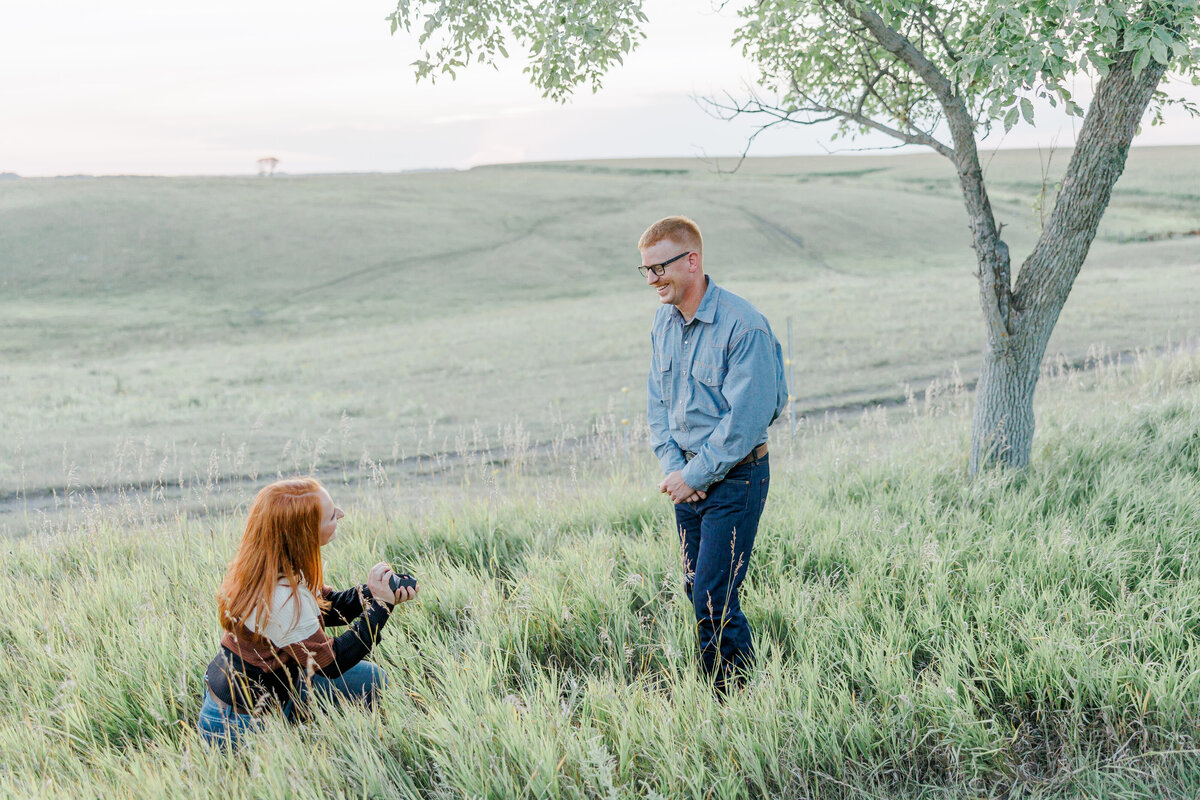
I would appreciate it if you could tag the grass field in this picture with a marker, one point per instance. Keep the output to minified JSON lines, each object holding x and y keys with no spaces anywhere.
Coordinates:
{"x":193,"y":330}
{"x":920,"y":635}
{"x":449,"y":351}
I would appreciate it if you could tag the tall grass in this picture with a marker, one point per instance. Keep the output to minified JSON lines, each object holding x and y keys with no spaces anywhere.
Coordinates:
{"x":919,"y":634}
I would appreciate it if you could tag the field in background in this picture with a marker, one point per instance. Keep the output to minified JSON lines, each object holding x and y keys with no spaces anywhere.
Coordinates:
{"x":449,"y":350}
{"x":919,"y":635}
{"x":193,"y":331}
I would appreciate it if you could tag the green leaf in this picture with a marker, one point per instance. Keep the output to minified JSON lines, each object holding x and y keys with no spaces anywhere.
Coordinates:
{"x":1140,"y":61}
{"x":1159,"y":51}
{"x":1135,"y":41}
{"x":1010,"y":119}
{"x":1027,"y":110}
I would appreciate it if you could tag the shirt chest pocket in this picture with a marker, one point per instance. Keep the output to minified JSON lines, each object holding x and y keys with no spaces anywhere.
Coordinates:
{"x":708,"y":376}
{"x":661,"y":372}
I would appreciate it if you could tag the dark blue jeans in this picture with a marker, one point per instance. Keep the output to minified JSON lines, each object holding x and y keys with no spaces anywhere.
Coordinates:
{"x":717,"y":535}
{"x":362,"y":684}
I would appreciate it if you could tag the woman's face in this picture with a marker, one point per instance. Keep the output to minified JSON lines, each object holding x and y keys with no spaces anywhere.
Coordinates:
{"x":330,"y":514}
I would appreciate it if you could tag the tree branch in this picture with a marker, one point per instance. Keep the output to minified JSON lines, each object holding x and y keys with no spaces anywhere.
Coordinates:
{"x":896,"y":44}
{"x":913,"y":136}
{"x":756,"y":106}
{"x":995,"y":285}
{"x":930,"y":25}
{"x":1099,"y":156}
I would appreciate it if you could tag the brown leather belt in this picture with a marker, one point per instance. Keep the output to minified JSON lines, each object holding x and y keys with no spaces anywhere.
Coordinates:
{"x":755,"y":454}
{"x":219,"y":703}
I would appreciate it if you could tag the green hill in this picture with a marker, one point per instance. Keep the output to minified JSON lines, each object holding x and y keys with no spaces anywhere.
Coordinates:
{"x":154,"y":328}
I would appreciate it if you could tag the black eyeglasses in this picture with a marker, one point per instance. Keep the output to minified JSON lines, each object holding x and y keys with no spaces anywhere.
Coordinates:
{"x":659,"y":269}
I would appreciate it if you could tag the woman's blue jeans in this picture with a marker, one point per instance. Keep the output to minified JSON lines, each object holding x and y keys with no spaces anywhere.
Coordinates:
{"x":361,"y":684}
{"x":717,"y":536}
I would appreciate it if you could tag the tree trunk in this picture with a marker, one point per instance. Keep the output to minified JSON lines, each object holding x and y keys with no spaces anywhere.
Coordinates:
{"x":1002,"y":429}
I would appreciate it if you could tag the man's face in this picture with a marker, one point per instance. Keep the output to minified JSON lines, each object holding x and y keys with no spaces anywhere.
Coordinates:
{"x":672,"y":284}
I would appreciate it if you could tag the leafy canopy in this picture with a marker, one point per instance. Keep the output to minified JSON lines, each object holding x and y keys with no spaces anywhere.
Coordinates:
{"x":567,"y":43}
{"x":818,"y":56}
{"x":996,"y":54}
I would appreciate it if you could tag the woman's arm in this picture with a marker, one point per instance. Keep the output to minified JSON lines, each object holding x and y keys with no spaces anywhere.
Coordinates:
{"x":321,"y":655}
{"x":344,"y":606}
{"x":318,"y":654}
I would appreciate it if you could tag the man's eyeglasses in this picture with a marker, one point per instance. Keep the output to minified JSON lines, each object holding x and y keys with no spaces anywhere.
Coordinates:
{"x":659,"y":269}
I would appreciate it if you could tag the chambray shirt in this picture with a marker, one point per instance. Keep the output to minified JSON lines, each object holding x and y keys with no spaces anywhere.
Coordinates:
{"x":715,"y":385}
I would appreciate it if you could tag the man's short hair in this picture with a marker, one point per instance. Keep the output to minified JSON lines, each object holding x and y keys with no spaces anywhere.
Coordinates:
{"x":677,"y":229}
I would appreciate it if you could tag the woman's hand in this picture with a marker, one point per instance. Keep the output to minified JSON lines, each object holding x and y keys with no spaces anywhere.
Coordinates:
{"x":406,"y":593}
{"x":377,"y":582}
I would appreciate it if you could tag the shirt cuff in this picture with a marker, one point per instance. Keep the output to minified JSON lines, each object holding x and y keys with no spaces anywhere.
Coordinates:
{"x":697,"y":477}
{"x":673,"y":462}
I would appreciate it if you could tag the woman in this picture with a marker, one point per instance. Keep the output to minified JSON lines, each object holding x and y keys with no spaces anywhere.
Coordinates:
{"x":275,"y":652}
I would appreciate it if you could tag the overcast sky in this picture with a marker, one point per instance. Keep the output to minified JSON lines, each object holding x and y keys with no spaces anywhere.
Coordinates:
{"x":141,"y":87}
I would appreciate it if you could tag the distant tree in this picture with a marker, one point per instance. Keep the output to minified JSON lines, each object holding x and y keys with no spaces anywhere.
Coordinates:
{"x":266,"y":166}
{"x":915,"y":70}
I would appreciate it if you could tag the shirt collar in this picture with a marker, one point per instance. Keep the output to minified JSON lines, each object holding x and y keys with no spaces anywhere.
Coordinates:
{"x":708,"y":306}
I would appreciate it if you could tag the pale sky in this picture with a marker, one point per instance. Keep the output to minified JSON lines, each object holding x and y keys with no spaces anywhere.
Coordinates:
{"x":141,"y":87}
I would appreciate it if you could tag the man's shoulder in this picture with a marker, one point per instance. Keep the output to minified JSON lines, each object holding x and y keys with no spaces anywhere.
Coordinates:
{"x":740,"y":313}
{"x":662,"y":316}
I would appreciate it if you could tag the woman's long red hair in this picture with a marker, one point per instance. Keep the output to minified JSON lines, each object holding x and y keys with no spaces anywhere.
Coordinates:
{"x":282,"y":540}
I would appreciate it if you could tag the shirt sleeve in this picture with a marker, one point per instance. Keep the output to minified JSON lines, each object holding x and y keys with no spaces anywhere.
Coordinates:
{"x":670,"y":457}
{"x":751,"y":392}
{"x":345,"y":606}
{"x":321,"y":655}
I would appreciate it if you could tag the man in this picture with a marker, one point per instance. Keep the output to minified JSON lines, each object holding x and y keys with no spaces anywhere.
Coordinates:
{"x":716,"y":383}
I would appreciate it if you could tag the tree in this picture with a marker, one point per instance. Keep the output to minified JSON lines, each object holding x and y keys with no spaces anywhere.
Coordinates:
{"x":919,"y":71}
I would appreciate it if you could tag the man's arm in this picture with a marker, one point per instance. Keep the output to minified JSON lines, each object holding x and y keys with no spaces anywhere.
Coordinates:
{"x":751,"y":392}
{"x":668,"y":452}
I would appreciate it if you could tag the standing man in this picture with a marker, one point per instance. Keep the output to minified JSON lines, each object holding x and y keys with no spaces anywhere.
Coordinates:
{"x":716,"y":383}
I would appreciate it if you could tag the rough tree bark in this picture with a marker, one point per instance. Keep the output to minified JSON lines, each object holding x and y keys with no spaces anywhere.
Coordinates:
{"x":1003,"y":424}
{"x":1019,"y":320}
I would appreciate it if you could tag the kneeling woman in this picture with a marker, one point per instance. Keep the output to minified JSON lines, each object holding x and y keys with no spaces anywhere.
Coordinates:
{"x":275,"y":652}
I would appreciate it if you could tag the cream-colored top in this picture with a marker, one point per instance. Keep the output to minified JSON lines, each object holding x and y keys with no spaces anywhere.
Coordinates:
{"x":288,"y":623}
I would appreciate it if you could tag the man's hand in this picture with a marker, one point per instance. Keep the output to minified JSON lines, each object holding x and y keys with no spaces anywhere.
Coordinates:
{"x":679,"y":491}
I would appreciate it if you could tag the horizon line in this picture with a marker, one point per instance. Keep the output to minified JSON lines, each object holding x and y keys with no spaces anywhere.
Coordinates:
{"x":873,"y":152}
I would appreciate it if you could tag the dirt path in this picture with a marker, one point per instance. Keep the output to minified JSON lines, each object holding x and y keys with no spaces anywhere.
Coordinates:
{"x":422,"y":473}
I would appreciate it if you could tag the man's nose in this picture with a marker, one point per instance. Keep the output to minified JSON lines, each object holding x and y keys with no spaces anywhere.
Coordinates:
{"x":651,"y":277}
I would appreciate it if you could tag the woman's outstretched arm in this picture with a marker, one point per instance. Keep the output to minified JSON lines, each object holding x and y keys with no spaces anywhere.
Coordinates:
{"x":344,"y":606}
{"x":321,"y":654}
